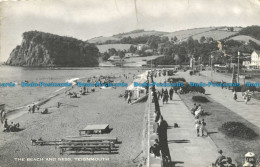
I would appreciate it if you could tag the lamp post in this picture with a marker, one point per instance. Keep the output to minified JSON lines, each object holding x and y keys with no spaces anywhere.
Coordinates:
{"x":238,"y":53}
{"x":211,"y":68}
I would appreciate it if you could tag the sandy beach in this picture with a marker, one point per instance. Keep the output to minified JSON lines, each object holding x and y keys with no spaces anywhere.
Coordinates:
{"x":101,"y":107}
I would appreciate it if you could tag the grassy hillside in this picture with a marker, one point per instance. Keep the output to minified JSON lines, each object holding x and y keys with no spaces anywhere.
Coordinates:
{"x":134,"y":34}
{"x":215,"y":34}
{"x":101,"y":39}
{"x":105,"y":47}
{"x":245,"y":38}
{"x":184,"y":34}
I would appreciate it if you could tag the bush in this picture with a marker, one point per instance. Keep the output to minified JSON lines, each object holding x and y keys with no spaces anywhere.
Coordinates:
{"x":187,"y":88}
{"x":238,"y":130}
{"x":200,"y":99}
{"x":174,"y":80}
{"x":171,"y":72}
{"x":243,"y":88}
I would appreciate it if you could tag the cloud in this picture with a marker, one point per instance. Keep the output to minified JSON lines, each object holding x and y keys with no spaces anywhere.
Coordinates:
{"x":77,"y":11}
{"x":85,"y":19}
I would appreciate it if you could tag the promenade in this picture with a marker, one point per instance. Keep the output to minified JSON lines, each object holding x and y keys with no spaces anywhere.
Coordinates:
{"x":186,"y":149}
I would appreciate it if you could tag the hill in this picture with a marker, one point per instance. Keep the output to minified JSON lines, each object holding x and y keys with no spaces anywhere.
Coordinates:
{"x":45,"y":49}
{"x":253,"y":31}
{"x":217,"y":33}
{"x":138,"y":33}
{"x":105,"y":47}
{"x":102,"y":39}
{"x":245,"y":38}
{"x":132,"y":34}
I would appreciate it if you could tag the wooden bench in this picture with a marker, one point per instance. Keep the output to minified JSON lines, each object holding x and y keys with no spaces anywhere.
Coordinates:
{"x":94,"y":139}
{"x":86,"y":147}
{"x":44,"y":142}
{"x":89,"y":143}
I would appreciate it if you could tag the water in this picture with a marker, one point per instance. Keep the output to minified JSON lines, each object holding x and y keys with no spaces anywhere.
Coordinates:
{"x":19,"y":96}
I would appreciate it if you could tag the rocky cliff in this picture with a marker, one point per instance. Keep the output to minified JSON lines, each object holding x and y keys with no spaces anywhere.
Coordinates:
{"x":44,"y":49}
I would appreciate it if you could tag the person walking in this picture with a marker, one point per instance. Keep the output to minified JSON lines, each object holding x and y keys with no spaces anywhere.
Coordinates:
{"x":203,"y":128}
{"x":29,"y":109}
{"x":129,"y":97}
{"x":171,"y":93}
{"x":33,"y":108}
{"x":197,"y":125}
{"x":162,"y":92}
{"x":158,"y":95}
{"x":235,"y":95}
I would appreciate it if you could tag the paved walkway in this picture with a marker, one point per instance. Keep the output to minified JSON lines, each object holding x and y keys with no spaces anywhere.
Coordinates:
{"x":224,"y":96}
{"x":185,"y":147}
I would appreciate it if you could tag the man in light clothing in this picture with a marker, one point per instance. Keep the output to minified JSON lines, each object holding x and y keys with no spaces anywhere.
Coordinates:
{"x":197,"y":125}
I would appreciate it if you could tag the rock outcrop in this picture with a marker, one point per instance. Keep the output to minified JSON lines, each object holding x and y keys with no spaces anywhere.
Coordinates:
{"x":44,"y":49}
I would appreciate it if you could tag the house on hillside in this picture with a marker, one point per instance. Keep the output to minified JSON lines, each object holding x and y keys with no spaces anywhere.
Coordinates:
{"x":142,"y":47}
{"x":114,"y":58}
{"x":255,"y":60}
{"x":128,"y":55}
{"x":148,"y":51}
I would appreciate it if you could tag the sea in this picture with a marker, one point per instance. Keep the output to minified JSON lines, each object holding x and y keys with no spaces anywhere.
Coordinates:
{"x":18,"y":96}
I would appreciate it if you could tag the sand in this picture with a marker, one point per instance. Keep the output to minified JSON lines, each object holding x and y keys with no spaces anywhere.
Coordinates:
{"x":101,"y":107}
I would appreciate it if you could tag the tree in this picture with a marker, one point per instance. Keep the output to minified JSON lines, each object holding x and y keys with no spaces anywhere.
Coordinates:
{"x":202,"y":39}
{"x":105,"y":56}
{"x":209,"y":39}
{"x":231,"y":29}
{"x":132,"y":49}
{"x":190,"y":45}
{"x":121,"y":54}
{"x":175,"y":39}
{"x":112,"y":51}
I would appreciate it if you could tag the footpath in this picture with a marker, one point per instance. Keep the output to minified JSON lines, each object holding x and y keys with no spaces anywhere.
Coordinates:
{"x":186,"y":149}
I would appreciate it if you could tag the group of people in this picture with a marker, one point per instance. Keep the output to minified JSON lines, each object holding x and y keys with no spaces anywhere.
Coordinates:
{"x":246,"y":96}
{"x":31,"y":109}
{"x":165,"y":95}
{"x":83,"y":90}
{"x":128,"y":95}
{"x":160,"y":145}
{"x":223,"y":161}
{"x":197,"y":110}
{"x":12,"y":127}
{"x":200,"y":125}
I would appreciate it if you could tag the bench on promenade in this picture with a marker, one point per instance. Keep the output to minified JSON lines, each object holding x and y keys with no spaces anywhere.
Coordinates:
{"x":97,"y":128}
{"x":88,"y":147}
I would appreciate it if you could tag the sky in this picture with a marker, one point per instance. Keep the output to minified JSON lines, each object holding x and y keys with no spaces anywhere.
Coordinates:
{"x":85,"y":19}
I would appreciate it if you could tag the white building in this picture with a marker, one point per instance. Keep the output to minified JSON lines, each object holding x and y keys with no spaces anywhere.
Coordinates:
{"x":142,"y":47}
{"x":246,"y":63}
{"x":255,"y":60}
{"x":114,"y":58}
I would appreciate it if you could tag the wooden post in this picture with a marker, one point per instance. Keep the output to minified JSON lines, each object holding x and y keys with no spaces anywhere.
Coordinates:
{"x":109,"y":148}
